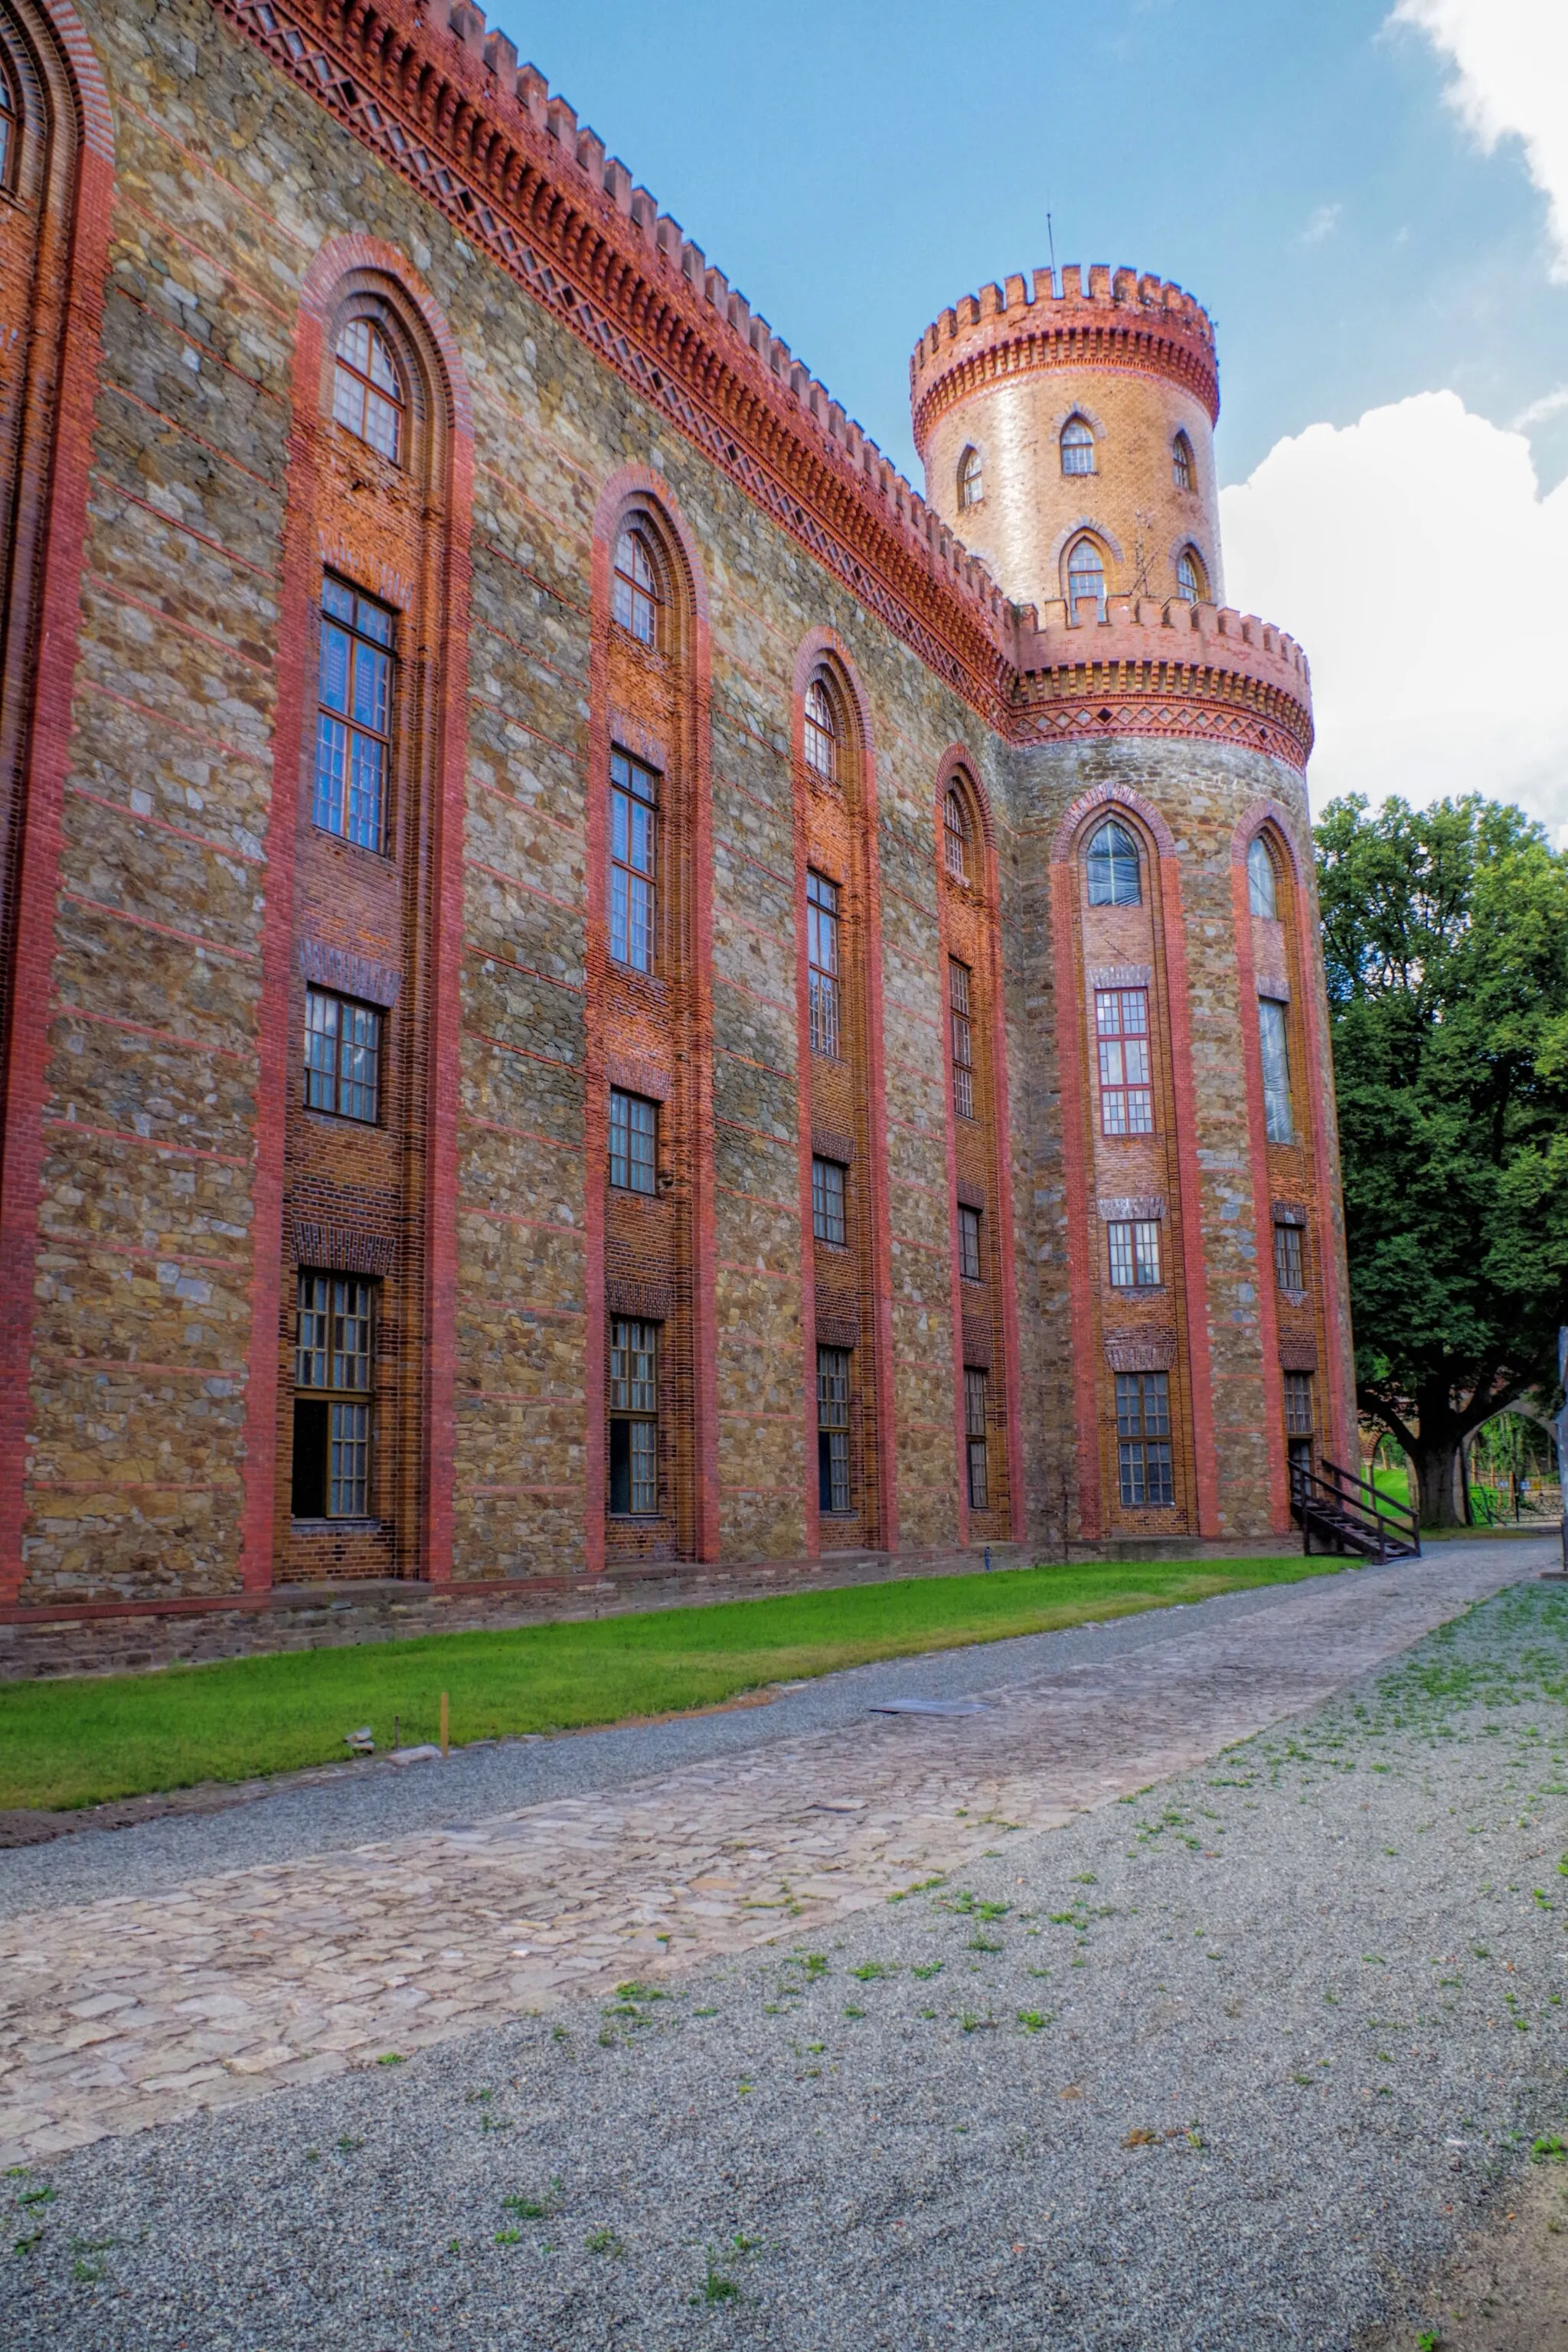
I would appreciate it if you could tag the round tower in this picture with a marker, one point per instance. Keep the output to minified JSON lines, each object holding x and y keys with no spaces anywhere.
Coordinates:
{"x":1066,"y":437}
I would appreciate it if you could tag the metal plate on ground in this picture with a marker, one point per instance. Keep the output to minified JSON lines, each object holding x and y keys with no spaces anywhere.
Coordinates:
{"x":926,"y":1706}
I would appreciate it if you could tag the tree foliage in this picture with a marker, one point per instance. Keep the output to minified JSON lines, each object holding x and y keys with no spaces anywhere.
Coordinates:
{"x":1445,"y":942}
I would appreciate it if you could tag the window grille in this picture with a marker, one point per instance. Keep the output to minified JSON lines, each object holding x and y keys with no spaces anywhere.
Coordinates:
{"x":634,"y":597}
{"x":956,"y":835}
{"x":634,"y":1141}
{"x":634,"y":850}
{"x":354,"y":724}
{"x":1262,"y":884}
{"x":1299,"y":1421}
{"x":1126,"y":1069}
{"x":1086,"y":576}
{"x":333,"y":1369}
{"x":1078,"y":446}
{"x":976,"y":1403}
{"x":1290,"y":1258}
{"x":368,"y":394}
{"x":971,"y":1264}
{"x":821,"y":732}
{"x":822,"y":963}
{"x":958,"y":999}
{"x":827,"y":1203}
{"x":1275,"y":1051}
{"x":971,"y":479}
{"x":634,"y":1418}
{"x":1184,"y":467}
{"x":833,"y":1482}
{"x":1190,"y":585}
{"x":1113,"y":868}
{"x":1143,"y":1440}
{"x":343,"y":1056}
{"x":1134,"y":1255}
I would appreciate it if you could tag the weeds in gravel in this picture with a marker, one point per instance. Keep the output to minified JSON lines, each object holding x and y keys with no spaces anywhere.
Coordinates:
{"x":716,"y":2288}
{"x":872,"y":1971}
{"x":26,"y":2245}
{"x":1032,"y":2020}
{"x":603,"y":2240}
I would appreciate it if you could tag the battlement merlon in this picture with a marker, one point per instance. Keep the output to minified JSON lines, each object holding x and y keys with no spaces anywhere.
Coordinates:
{"x":1119,"y":319}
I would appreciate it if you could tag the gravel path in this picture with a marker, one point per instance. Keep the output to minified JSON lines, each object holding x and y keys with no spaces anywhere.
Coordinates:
{"x":360,"y":1802}
{"x":1227,"y":2065}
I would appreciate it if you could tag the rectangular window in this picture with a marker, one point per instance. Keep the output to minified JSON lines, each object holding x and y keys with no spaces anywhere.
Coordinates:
{"x":969,"y":1262}
{"x":1290,"y":1258}
{"x":833,"y":1489}
{"x":822,"y":963}
{"x":634,"y":1418}
{"x":354,"y":722}
{"x":1126,"y":1077}
{"x":1276,"y":1052}
{"x":1298,"y":1404}
{"x":1143,"y":1434}
{"x":634,"y":848}
{"x":976,"y":1400}
{"x":634,"y":1141}
{"x":1134,"y":1255}
{"x":333,"y":1367}
{"x":343,"y":1056}
{"x":958,"y":1005}
{"x":827,"y":1202}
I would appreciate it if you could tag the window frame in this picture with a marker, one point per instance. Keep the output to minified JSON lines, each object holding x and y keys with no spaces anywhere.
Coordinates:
{"x":1125,"y":1062}
{"x":823,"y":979}
{"x":1299,"y":1399}
{"x":1274,"y":1054}
{"x":341,"y":1303}
{"x":338,"y":784}
{"x":960,"y":1035}
{"x":971,"y":1243}
{"x":336,"y":1080}
{"x":1143,"y":1442}
{"x":1097,"y":573}
{"x":1192,"y":577}
{"x":13,"y":130}
{"x":627,"y":1129}
{"x":971,"y":478}
{"x":636,"y":605}
{"x":1107,"y":888}
{"x":1263,"y":902}
{"x":976,"y":1437}
{"x":373,"y":397}
{"x":1132,"y":1253}
{"x":632,"y":910}
{"x":829,"y":1202}
{"x":957,"y":833}
{"x":1083,"y":441}
{"x":1183,"y":460}
{"x":1290,"y":1257}
{"x":822,"y":731}
{"x":835,"y":1467}
{"x":633,"y":1368}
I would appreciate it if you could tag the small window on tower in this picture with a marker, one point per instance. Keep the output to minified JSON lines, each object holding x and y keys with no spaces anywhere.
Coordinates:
{"x":8,"y":126}
{"x":1086,"y":577}
{"x":956,"y":835}
{"x":1192,"y":580}
{"x":971,"y":1263}
{"x":1184,"y":465}
{"x":1112,"y":863}
{"x":821,"y":732}
{"x":368,"y":394}
{"x":636,"y":598}
{"x":1078,"y":446}
{"x":971,"y":478}
{"x":1262,"y":893}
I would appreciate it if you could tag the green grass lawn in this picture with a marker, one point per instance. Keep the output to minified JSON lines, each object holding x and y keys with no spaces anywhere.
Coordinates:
{"x":82,"y":1741}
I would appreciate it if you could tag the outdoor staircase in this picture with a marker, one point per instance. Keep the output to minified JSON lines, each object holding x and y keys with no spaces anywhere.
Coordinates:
{"x":1337,"y":1512}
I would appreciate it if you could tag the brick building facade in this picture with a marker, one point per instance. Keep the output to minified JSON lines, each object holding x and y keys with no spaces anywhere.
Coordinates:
{"x":583,"y":985}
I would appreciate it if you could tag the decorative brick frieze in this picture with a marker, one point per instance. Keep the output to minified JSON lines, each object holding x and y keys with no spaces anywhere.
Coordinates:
{"x":638,"y":1075}
{"x":1287,"y":1213}
{"x":972,"y":1193}
{"x":1151,"y":1352}
{"x":350,"y":974}
{"x":833,"y":1143}
{"x":1119,"y":975}
{"x":343,"y":1249}
{"x":1118,"y":1207}
{"x":1298,"y":1353}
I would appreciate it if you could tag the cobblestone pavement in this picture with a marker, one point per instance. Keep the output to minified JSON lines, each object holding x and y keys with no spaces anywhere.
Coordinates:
{"x":125,"y":2012}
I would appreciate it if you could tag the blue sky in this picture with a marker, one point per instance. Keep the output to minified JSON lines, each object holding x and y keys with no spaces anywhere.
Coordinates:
{"x":1315,"y":175}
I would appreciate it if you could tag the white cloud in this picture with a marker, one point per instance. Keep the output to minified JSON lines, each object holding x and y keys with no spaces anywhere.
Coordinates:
{"x":1510,"y":81}
{"x":1541,"y":411}
{"x":1414,"y":556}
{"x":1324,"y":223}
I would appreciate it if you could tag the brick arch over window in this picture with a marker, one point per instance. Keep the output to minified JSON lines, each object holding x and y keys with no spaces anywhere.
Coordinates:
{"x":1158,"y":849}
{"x":1272,"y":821}
{"x":432,"y":781}
{"x":850,"y":817}
{"x":638,"y":495}
{"x":980,"y":913}
{"x":58,"y":214}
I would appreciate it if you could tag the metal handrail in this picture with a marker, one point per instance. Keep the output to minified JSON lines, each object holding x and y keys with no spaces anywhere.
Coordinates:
{"x":1337,"y":1492}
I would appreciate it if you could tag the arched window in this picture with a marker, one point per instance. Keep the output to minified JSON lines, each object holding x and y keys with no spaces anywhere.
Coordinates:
{"x":956,"y":835}
{"x":1112,"y":863}
{"x":1086,"y":576}
{"x":1184,"y":465}
{"x":1262,"y":890}
{"x":9,"y":129}
{"x":1078,"y":446}
{"x":822,"y":732}
{"x":368,"y":391}
{"x":1192,"y":582}
{"x":971,"y":478}
{"x":635,"y":599}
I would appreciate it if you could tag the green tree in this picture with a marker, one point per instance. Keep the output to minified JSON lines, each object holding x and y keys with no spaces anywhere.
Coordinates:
{"x":1445,"y":940}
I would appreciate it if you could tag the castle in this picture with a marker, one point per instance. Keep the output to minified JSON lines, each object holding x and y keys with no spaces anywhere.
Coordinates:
{"x":593,"y":985}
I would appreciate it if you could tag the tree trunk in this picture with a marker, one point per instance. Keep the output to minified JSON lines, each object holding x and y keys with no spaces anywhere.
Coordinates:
{"x":1436,"y":1473}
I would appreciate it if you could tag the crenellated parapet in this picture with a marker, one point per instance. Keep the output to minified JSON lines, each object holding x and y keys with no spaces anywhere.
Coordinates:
{"x":1119,"y":319}
{"x":1173,"y":670}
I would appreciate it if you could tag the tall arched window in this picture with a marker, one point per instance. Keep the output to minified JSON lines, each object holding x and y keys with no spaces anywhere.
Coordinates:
{"x":1086,"y":576}
{"x":971,"y":478}
{"x":635,"y":600}
{"x":369,"y":395}
{"x":1078,"y":446}
{"x":956,"y":835}
{"x":1262,"y":890}
{"x":1192,"y":582}
{"x":9,"y":128}
{"x":822,"y":732}
{"x":1184,"y":465}
{"x":1112,"y":863}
